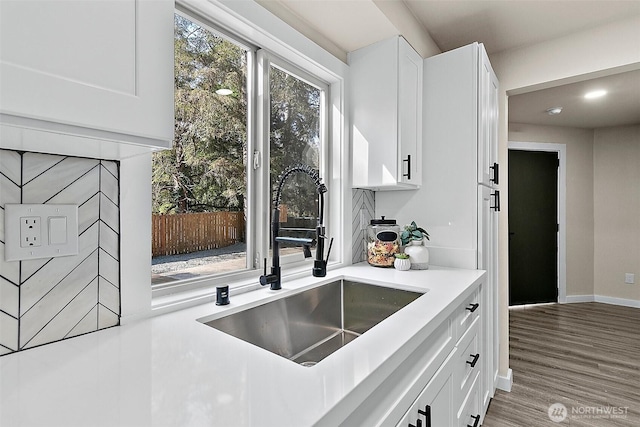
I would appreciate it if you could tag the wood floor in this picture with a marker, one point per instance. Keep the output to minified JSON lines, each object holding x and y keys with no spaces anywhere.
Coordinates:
{"x":585,"y":356}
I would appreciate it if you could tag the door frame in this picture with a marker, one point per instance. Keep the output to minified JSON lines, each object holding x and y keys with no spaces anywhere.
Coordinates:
{"x":561,"y":149}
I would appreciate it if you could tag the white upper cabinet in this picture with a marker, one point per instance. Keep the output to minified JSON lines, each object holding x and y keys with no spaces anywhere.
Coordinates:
{"x":488,"y":168}
{"x":100,"y":69}
{"x":386,"y":115}
{"x":461,"y":113}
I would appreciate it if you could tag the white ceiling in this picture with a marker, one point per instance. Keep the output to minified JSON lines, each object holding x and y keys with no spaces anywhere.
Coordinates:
{"x":341,"y":26}
{"x":619,"y":107}
{"x":509,"y":24}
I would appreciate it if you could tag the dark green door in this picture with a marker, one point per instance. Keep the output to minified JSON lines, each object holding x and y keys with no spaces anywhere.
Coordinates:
{"x":533,"y":227}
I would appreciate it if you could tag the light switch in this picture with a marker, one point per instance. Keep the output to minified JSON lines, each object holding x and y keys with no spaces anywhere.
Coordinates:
{"x":57,"y":230}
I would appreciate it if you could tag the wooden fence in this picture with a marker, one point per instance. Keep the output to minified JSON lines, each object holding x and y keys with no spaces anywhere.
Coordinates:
{"x":192,"y":232}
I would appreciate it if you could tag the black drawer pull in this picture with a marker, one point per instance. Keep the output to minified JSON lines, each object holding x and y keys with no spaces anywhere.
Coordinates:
{"x":427,"y":415}
{"x":472,"y":307}
{"x":418,"y":424}
{"x":475,"y":422}
{"x":475,"y":359}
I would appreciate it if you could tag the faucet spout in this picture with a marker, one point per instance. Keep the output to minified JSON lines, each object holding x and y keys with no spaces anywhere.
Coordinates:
{"x":320,"y":264}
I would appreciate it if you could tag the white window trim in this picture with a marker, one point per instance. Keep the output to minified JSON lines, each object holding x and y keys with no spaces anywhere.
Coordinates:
{"x":259,"y":26}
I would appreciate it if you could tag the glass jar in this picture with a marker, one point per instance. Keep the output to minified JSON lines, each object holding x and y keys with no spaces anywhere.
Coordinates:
{"x":383,"y":242}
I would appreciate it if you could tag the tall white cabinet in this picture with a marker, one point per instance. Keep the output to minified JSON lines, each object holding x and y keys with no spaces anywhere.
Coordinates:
{"x":100,"y":70}
{"x":460,"y":197}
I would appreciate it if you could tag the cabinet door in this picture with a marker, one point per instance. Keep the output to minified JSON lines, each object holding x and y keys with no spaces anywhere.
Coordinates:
{"x":434,"y":405}
{"x":487,"y":120}
{"x":101,"y":64}
{"x":488,"y":260}
{"x":386,"y":115}
{"x":410,"y":115}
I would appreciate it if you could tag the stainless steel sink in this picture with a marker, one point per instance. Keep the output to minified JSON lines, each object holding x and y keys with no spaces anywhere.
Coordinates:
{"x":309,"y":326}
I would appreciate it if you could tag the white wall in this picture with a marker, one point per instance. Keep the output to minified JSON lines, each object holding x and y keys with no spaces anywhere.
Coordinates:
{"x":617,"y":211}
{"x":592,"y":52}
{"x":135,"y":238}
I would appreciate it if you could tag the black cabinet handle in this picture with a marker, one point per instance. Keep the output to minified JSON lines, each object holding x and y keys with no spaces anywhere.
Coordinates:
{"x":418,"y":424}
{"x":475,"y":359}
{"x":427,"y":415}
{"x":472,"y":307}
{"x":496,"y":173}
{"x":408,"y":160}
{"x":475,"y":422}
{"x":496,"y":196}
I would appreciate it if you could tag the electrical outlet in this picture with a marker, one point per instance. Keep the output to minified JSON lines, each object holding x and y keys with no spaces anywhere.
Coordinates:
{"x":30,"y":232}
{"x":35,"y":231}
{"x":629,"y":278}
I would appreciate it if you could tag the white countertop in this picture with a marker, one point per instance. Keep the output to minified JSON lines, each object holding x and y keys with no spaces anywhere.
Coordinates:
{"x":171,"y":370}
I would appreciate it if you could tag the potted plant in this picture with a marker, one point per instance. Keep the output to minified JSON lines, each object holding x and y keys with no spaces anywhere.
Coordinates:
{"x":413,"y":233}
{"x":402,"y":262}
{"x":413,"y":238}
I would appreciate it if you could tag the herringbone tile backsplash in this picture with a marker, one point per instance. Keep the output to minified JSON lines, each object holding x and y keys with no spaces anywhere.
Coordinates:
{"x":362,"y":212}
{"x":47,"y":300}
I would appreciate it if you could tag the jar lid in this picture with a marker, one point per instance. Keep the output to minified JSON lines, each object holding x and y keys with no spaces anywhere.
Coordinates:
{"x":383,"y":221}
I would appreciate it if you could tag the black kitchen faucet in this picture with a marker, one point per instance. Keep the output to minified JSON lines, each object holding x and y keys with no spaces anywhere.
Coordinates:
{"x":320,"y":264}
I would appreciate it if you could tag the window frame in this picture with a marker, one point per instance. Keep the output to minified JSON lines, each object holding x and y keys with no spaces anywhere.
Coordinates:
{"x":332,"y":162}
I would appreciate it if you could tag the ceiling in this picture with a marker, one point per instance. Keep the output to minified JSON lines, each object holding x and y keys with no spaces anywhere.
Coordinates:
{"x":619,"y":107}
{"x":508,"y":24}
{"x":341,"y":26}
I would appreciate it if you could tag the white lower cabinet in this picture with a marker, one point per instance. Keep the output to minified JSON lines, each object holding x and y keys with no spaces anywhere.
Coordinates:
{"x":435,"y":404}
{"x":469,"y":413}
{"x":440,"y":383}
{"x":451,"y":397}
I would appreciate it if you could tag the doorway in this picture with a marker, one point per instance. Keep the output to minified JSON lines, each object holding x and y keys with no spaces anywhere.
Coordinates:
{"x":533,"y":226}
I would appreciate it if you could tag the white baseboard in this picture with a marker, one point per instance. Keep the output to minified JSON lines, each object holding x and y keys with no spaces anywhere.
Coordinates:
{"x":603,"y":299}
{"x":579,"y":298}
{"x":505,"y":383}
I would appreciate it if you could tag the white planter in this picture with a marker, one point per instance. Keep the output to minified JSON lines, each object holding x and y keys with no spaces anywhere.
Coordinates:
{"x":402,"y":264}
{"x":418,"y":254}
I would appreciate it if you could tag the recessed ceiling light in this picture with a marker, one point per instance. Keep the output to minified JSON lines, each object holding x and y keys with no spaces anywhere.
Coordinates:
{"x":224,"y":92}
{"x":595,"y":94}
{"x":553,"y":111}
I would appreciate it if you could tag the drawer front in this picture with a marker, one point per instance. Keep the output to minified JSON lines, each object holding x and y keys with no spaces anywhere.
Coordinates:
{"x":469,"y":361}
{"x":467,"y":313}
{"x":469,"y":413}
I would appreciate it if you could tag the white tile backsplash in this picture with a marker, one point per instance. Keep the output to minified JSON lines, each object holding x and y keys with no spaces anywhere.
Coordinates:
{"x":37,"y":164}
{"x":9,"y":270}
{"x":363,"y":210}
{"x":47,"y":300}
{"x":9,"y":328}
{"x":10,"y":165}
{"x":8,"y":298}
{"x":55,"y":180}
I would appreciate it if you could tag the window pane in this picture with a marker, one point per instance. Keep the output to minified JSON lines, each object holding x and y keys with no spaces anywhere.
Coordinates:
{"x":294,"y":138}
{"x":200,"y":185}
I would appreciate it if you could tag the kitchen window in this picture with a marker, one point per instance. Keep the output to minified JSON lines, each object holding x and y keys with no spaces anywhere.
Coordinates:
{"x":242,"y":115}
{"x":296,"y":134}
